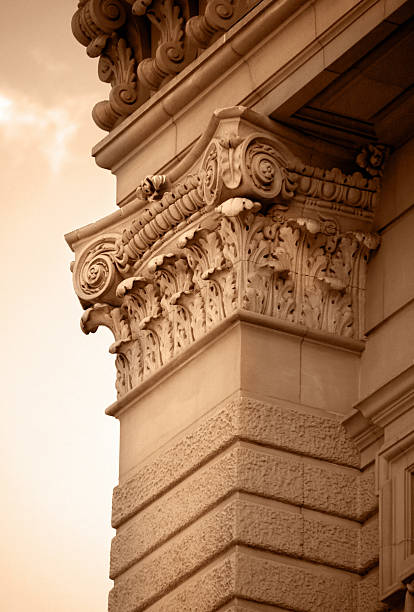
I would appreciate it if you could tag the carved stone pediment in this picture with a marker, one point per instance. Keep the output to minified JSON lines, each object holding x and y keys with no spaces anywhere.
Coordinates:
{"x":141,"y":44}
{"x":251,"y":228}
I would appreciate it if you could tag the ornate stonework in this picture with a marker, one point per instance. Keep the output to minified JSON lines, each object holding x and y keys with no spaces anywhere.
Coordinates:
{"x":250,"y":228}
{"x":141,"y":44}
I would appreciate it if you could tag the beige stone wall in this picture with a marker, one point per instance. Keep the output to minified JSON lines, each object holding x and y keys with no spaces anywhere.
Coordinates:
{"x":390,"y":285}
{"x":255,"y":499}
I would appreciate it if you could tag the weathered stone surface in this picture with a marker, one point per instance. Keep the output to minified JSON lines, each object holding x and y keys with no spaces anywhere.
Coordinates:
{"x":332,"y":542}
{"x":179,"y":558}
{"x":242,"y":467}
{"x":343,"y":492}
{"x":240,"y":418}
{"x":203,"y":593}
{"x":250,"y":521}
{"x":254,"y":523}
{"x":367,"y":594}
{"x":302,"y":588}
{"x":240,"y":605}
{"x":175,"y":462}
{"x":369,"y":544}
{"x":264,"y":578}
{"x":296,"y":431}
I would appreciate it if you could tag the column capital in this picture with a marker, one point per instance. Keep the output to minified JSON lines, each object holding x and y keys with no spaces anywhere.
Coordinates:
{"x":240,"y":225}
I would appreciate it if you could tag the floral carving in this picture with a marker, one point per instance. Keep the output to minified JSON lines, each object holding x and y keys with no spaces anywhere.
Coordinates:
{"x":252,"y":229}
{"x":253,"y":167}
{"x":117,"y":66}
{"x":372,"y":158}
{"x":302,"y":270}
{"x":168,"y":18}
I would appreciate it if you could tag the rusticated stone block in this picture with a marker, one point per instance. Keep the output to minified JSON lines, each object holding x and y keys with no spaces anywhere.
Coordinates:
{"x":367,"y":594}
{"x":297,"y":587}
{"x":343,"y":492}
{"x":206,"y":592}
{"x":173,"y":511}
{"x":272,"y":527}
{"x":332,"y":542}
{"x":182,"y":457}
{"x":367,"y":498}
{"x":340,"y":542}
{"x":180,"y":557}
{"x":245,"y":418}
{"x":369,"y":544}
{"x":256,"y":523}
{"x":243,"y":467}
{"x":239,"y":605}
{"x":264,"y":578}
{"x":307,"y":434}
{"x":270,"y":474}
{"x":243,"y":519}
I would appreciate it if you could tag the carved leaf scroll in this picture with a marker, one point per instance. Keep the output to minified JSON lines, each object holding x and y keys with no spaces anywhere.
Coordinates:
{"x":302,"y":270}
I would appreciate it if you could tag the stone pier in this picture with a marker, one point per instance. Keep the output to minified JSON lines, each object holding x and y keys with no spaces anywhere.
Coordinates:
{"x":258,"y":280}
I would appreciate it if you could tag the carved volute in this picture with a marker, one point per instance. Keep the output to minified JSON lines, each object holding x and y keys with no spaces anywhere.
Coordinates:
{"x":251,"y":228}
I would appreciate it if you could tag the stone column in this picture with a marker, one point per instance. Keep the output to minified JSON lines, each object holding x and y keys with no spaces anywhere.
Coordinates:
{"x":234,"y":287}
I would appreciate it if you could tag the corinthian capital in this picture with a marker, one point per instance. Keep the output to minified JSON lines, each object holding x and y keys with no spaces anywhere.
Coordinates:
{"x":251,"y":229}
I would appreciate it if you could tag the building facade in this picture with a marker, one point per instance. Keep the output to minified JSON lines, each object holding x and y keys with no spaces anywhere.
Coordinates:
{"x":257,"y":275}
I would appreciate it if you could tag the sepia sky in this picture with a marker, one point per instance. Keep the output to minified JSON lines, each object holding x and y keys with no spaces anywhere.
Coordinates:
{"x":58,"y":449}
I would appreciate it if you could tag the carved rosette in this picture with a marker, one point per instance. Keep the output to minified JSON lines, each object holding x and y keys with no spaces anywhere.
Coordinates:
{"x":253,"y":230}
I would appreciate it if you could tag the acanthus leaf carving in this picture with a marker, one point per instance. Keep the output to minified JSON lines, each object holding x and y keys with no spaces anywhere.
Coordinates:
{"x":372,"y":158}
{"x":117,"y":66}
{"x":168,"y":17}
{"x":252,"y":229}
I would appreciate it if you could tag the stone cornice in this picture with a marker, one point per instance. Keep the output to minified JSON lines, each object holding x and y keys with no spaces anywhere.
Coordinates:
{"x":250,"y":228}
{"x":381,"y":408}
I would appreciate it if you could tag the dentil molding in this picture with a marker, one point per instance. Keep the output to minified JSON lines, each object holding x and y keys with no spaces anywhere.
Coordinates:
{"x":249,"y":228}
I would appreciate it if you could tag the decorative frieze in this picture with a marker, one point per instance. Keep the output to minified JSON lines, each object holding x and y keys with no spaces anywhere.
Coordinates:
{"x":251,"y":228}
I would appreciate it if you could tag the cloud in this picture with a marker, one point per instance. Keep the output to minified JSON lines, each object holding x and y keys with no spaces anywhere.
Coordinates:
{"x":29,"y":126}
{"x":46,"y":61}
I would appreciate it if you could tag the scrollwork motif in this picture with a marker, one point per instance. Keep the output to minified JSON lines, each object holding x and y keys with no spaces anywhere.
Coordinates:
{"x":168,"y":18}
{"x":117,"y":66}
{"x":219,"y":15}
{"x":95,"y":275}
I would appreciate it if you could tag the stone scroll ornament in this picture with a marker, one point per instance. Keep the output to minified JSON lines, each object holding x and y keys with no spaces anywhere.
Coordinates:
{"x":141,"y":44}
{"x":253,"y":230}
